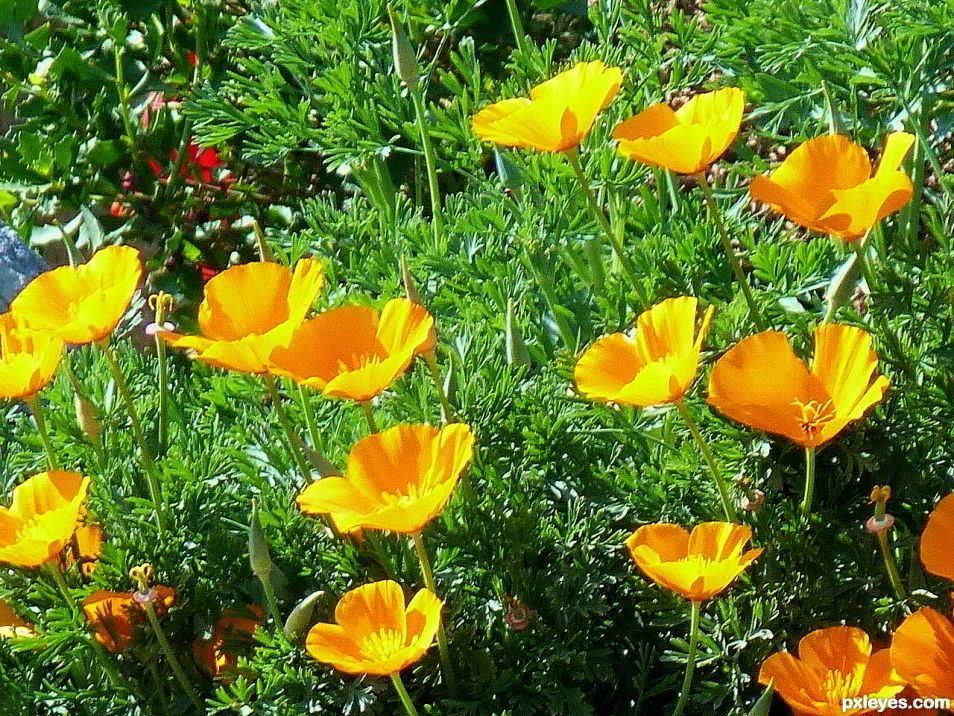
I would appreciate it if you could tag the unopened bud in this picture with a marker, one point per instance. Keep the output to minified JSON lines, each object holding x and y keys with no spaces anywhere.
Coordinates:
{"x":410,"y":290}
{"x":88,"y":417}
{"x":323,"y":466}
{"x":509,"y":173}
{"x":517,"y":353}
{"x":300,"y":618}
{"x":842,"y":285}
{"x":405,"y":59}
{"x":258,"y":555}
{"x":450,"y":380}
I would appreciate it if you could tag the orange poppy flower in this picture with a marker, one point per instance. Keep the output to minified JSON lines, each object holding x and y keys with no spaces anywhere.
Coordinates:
{"x":85,"y":549}
{"x":12,"y":626}
{"x":42,"y":518}
{"x":398,"y":480}
{"x":655,"y":366}
{"x":937,"y":538}
{"x":688,"y":139}
{"x":115,"y":616}
{"x":559,"y":113}
{"x":697,"y":566}
{"x":922,"y":653}
{"x":760,"y":382}
{"x":28,"y":359}
{"x":826,"y":185}
{"x":375,"y":633}
{"x":832,"y":664}
{"x":231,"y":636}
{"x":351,"y":352}
{"x":81,"y":304}
{"x":247,"y":310}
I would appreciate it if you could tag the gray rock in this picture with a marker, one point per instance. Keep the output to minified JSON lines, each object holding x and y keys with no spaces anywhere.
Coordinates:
{"x":18,"y":265}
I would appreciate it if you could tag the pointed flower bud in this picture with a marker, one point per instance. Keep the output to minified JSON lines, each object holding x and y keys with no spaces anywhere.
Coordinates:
{"x":517,"y":353}
{"x":300,"y":618}
{"x":509,"y":173}
{"x":410,"y":290}
{"x":258,"y":555}
{"x":405,"y":59}
{"x":88,"y":417}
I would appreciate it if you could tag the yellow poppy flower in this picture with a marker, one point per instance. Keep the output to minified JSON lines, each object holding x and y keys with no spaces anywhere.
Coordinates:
{"x":697,"y":566}
{"x":351,"y":352}
{"x":559,"y":113}
{"x":397,"y":480}
{"x":655,"y":366}
{"x":937,"y":538}
{"x":922,"y":653}
{"x":832,"y":665}
{"x":12,"y":626}
{"x":760,"y":382}
{"x":375,"y":633}
{"x":826,"y":185}
{"x":81,"y":304}
{"x":42,"y":518}
{"x":28,"y":359}
{"x":247,"y":310}
{"x":114,"y":616}
{"x":688,"y":139}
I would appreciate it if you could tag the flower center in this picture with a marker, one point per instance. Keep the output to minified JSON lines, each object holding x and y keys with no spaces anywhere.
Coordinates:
{"x":382,"y":644}
{"x":814,"y":416}
{"x":839,"y":685}
{"x":410,"y":494}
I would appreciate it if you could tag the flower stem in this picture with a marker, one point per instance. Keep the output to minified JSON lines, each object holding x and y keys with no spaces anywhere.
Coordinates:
{"x":435,"y":373}
{"x":34,"y":402}
{"x":53,"y":569}
{"x":309,"y":416}
{"x":272,"y":603}
{"x":518,"y":34}
{"x":163,"y":408}
{"x":437,"y":217}
{"x":861,"y":248}
{"x":544,"y":280}
{"x":369,"y":414}
{"x":730,"y":252}
{"x":690,"y":659}
{"x":287,"y":427}
{"x":809,"y":481}
{"x":710,"y":460}
{"x":148,"y":463}
{"x":889,"y":562}
{"x":446,"y":663}
{"x":171,"y":658}
{"x":402,"y":692}
{"x":574,"y":159}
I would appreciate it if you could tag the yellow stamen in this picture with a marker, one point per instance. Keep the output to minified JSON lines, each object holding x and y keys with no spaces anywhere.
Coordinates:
{"x":814,"y":415}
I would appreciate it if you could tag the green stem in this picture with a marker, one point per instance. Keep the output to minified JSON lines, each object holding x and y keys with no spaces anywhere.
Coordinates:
{"x":545,"y":282}
{"x":730,"y":252}
{"x":809,"y":481}
{"x":171,"y":658}
{"x":108,"y":666}
{"x":710,"y":460}
{"x":573,"y":158}
{"x":690,"y":659}
{"x":309,"y":416}
{"x":446,"y":663}
{"x":34,"y":402}
{"x":369,"y":414}
{"x":272,"y":602}
{"x":297,"y":455}
{"x":163,"y":409}
{"x":435,"y":374}
{"x":402,"y":692}
{"x":893,"y":576}
{"x":518,"y":34}
{"x":123,"y":91}
{"x":149,"y":464}
{"x":437,"y":217}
